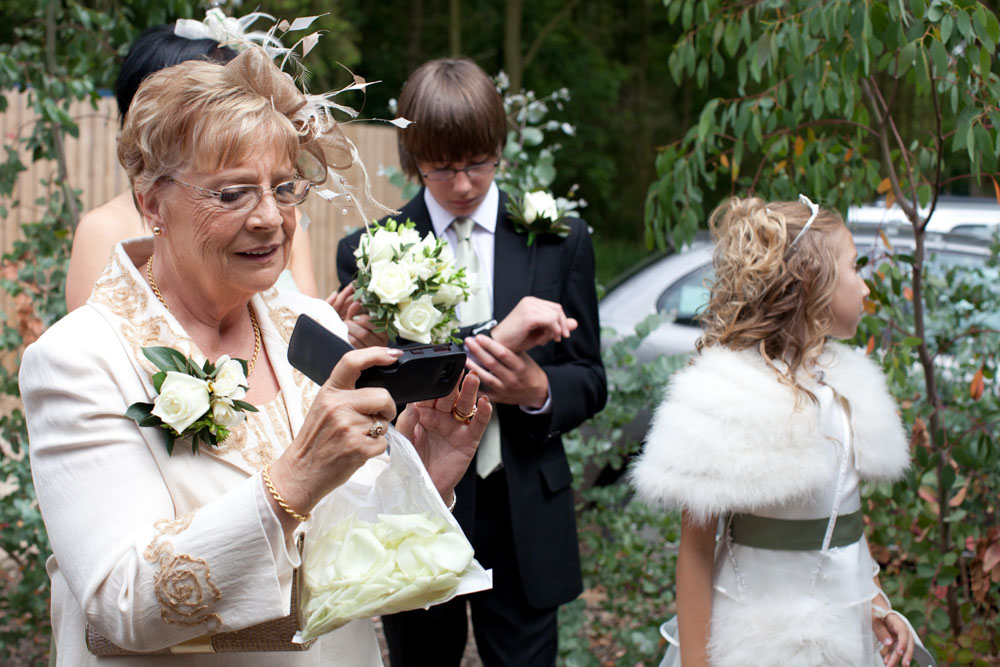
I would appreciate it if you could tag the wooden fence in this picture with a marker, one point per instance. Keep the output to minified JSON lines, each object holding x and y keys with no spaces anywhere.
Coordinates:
{"x":94,"y":169}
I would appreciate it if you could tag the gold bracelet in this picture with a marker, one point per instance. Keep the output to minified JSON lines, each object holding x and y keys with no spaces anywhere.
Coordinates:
{"x":281,"y":501}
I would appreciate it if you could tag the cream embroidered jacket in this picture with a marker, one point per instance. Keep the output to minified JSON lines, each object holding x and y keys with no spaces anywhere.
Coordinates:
{"x":728,"y":437}
{"x":152,"y":549}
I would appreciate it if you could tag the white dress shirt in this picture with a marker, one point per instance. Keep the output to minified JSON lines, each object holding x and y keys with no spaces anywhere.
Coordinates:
{"x":483,"y":241}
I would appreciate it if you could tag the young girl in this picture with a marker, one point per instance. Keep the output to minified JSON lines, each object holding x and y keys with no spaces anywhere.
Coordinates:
{"x":772,"y":428}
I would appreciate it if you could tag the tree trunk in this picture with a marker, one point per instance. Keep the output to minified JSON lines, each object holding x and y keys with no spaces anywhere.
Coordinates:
{"x":57,"y":132}
{"x":512,"y":62}
{"x":938,"y":435}
{"x":414,"y":48}
{"x":454,"y":28}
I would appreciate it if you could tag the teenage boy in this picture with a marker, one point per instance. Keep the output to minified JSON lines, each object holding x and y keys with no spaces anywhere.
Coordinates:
{"x":541,"y":367}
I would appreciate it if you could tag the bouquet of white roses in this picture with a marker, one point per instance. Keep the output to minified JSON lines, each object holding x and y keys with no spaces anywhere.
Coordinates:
{"x":198,"y":402}
{"x":384,"y":547}
{"x":408,"y":285}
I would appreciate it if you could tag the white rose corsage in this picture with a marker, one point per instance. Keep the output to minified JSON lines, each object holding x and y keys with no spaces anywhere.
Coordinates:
{"x":538,"y":213}
{"x":408,"y":285}
{"x":198,"y":402}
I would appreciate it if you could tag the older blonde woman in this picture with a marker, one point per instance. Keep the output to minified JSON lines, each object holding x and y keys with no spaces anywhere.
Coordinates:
{"x":152,"y":549}
{"x":118,"y":219}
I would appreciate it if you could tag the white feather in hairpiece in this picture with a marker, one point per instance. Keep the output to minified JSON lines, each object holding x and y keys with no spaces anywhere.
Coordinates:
{"x":315,"y":119}
{"x":227,"y":30}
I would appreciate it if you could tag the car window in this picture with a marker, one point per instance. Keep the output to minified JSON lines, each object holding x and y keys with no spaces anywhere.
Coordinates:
{"x":686,"y":297}
{"x":984,"y":232}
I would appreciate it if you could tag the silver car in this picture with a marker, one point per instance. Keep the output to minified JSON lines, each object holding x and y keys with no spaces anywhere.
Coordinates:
{"x":676,"y":285}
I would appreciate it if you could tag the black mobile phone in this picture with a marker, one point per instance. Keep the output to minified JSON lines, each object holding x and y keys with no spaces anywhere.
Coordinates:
{"x":422,"y":373}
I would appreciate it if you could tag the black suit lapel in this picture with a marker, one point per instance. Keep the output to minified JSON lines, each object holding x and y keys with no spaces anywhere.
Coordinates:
{"x":513,"y":264}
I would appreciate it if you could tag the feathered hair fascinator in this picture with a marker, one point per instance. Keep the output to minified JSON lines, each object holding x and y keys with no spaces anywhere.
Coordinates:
{"x":325,"y":149}
{"x":227,"y":30}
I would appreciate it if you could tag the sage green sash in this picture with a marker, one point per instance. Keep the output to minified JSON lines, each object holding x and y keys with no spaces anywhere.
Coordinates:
{"x":794,"y":534}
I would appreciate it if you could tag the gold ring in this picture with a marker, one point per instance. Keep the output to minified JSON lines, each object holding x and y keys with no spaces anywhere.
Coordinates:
{"x":377,"y":429}
{"x":459,"y":417}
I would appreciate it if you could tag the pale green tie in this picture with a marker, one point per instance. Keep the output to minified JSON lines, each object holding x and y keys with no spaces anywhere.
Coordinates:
{"x":477,"y":309}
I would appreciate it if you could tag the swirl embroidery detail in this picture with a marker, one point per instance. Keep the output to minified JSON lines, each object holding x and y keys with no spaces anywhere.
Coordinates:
{"x":183,"y":583}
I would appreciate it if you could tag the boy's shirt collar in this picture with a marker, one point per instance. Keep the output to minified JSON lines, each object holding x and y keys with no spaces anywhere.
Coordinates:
{"x":485,"y":216}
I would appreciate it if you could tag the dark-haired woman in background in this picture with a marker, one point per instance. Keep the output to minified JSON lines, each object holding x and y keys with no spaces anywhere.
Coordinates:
{"x":117,"y":219}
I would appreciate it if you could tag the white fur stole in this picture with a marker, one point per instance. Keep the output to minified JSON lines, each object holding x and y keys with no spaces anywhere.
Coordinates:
{"x":729,"y":438}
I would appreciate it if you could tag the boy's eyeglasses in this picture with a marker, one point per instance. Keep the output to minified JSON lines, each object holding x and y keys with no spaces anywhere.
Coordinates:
{"x":477,"y":170}
{"x":246,"y":197}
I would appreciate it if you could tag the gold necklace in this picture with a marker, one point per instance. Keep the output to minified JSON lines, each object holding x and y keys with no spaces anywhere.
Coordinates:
{"x":253,"y":317}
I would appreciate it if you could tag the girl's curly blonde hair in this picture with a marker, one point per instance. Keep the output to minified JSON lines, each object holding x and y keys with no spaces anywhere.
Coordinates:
{"x":767,"y":293}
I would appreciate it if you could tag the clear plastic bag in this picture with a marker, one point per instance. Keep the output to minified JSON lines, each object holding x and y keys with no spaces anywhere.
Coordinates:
{"x":382,"y":548}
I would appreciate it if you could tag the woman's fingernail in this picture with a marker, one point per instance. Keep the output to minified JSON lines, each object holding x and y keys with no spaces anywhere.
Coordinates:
{"x":393,"y":352}
{"x":356,"y":318}
{"x":887,"y":641}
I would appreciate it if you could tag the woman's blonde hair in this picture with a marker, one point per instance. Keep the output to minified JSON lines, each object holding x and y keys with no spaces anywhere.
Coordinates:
{"x":768,"y":293}
{"x":206,"y":115}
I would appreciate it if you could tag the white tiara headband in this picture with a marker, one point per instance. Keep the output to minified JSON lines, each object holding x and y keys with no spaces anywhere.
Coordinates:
{"x":814,"y":211}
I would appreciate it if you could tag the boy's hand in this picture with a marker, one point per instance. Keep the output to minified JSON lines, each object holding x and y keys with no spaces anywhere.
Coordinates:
{"x":533,"y":322}
{"x":508,"y":377}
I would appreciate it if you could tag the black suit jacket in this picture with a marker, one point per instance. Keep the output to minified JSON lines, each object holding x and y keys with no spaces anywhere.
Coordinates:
{"x":537,"y":473}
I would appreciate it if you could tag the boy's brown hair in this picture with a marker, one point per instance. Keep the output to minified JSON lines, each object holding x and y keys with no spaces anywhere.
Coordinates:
{"x":457,"y":114}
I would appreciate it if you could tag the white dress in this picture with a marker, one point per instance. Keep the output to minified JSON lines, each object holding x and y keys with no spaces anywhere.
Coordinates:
{"x":805,"y":587}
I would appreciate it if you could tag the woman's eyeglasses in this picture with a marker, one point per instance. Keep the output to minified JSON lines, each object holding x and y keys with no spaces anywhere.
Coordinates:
{"x":477,"y":170}
{"x":246,"y":197}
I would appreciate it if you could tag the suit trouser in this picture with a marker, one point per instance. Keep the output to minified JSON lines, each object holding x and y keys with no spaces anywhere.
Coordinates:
{"x":509,"y":632}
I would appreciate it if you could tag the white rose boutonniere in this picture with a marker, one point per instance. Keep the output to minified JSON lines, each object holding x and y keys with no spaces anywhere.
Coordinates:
{"x":409,"y":285}
{"x":538,"y":213}
{"x":182,"y":400}
{"x":198,"y":402}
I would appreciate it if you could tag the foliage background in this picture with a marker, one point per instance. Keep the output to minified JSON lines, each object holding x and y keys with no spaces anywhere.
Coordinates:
{"x":642,"y":74}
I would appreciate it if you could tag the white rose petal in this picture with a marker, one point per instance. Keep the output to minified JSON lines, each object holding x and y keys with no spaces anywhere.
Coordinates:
{"x":360,"y":554}
{"x":414,"y":557}
{"x":182,"y":401}
{"x":391,"y":282}
{"x":417,"y":319}
{"x":407,"y":524}
{"x":229,"y":378}
{"x":451,"y":551}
